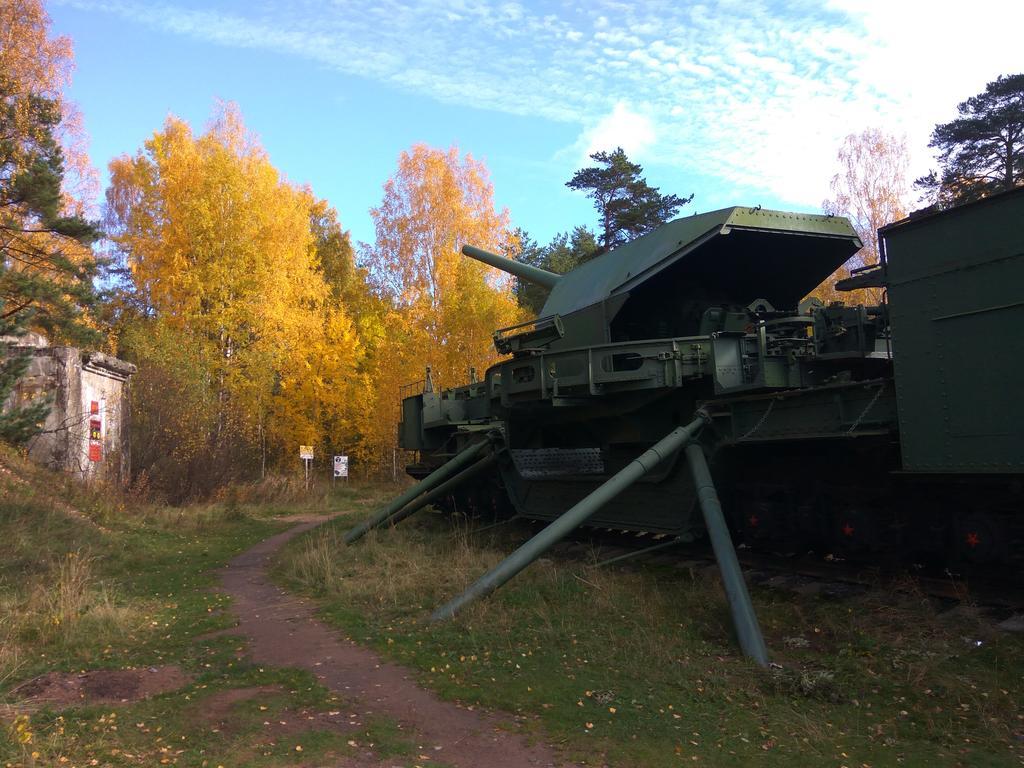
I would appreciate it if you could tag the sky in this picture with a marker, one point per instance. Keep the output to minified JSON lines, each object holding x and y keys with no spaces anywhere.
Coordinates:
{"x":739,"y":102}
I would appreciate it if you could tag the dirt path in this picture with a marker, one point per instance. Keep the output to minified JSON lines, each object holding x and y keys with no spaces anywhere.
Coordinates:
{"x":283,"y":632}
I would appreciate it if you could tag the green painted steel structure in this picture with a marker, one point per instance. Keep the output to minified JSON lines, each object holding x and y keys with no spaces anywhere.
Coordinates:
{"x":748,"y":630}
{"x":575,"y":516}
{"x":436,"y":478}
{"x":444,"y":489}
{"x":745,"y":621}
{"x":956,"y":285}
{"x":844,"y":428}
{"x":530,"y":273}
{"x":616,"y":272}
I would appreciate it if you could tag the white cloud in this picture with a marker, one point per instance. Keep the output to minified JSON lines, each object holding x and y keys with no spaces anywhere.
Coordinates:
{"x":745,"y":92}
{"x":624,"y":128}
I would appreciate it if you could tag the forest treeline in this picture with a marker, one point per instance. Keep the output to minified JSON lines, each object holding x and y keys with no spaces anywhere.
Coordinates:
{"x":257,"y":326}
{"x":256,"y":323}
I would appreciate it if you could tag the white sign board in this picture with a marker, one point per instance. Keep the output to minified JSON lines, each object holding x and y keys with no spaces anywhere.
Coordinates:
{"x":341,"y":466}
{"x":306,"y":452}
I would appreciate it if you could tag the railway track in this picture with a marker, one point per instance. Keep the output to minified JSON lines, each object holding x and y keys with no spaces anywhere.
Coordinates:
{"x":999,"y":596}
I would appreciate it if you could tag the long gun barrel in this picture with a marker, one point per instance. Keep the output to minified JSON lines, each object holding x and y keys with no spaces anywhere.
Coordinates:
{"x":530,"y":274}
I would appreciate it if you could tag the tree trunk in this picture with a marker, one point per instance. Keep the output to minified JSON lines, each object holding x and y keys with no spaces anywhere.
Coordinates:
{"x":1008,"y":181}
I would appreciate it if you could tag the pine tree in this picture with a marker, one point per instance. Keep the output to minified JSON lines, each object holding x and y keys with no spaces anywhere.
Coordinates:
{"x":20,"y":421}
{"x":981,"y":152}
{"x":565,"y":252}
{"x":46,"y":265}
{"x":627,"y":205}
{"x":47,"y":270}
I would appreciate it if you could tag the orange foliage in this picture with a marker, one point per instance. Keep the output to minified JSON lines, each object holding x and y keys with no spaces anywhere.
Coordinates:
{"x":439,"y":308}
{"x":41,"y":65}
{"x":299,"y":345}
{"x":221,"y":249}
{"x":871,"y":189}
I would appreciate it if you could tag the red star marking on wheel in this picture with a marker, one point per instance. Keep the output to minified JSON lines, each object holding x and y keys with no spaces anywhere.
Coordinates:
{"x":847,"y":530}
{"x":973,"y":539}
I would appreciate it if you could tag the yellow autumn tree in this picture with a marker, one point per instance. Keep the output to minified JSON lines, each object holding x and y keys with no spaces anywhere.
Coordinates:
{"x":870,"y":188}
{"x":221,"y":249}
{"x":32,"y":62}
{"x":441,"y":307}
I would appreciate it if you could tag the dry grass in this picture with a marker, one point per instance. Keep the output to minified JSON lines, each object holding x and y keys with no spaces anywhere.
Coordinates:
{"x":407,"y":571}
{"x":10,"y":649}
{"x":72,"y":556}
{"x":292,"y":492}
{"x":77,"y":606}
{"x":877,"y":677}
{"x":386,"y":574}
{"x":66,"y":606}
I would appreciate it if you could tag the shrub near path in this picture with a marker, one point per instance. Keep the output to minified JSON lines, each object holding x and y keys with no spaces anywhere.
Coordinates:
{"x":636,"y":666}
{"x":113,"y":650}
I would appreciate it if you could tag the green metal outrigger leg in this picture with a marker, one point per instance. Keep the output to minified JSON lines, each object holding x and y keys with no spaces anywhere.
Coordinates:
{"x":427,"y":484}
{"x":748,"y":631}
{"x":443,"y":489}
{"x":747,"y":628}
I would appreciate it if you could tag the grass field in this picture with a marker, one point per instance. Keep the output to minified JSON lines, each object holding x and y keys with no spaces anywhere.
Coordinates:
{"x":636,"y":666}
{"x":90,"y":580}
{"x":625,"y":666}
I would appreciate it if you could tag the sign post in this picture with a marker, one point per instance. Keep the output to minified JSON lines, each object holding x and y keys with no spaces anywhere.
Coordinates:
{"x":341,"y":467}
{"x":306,"y":454}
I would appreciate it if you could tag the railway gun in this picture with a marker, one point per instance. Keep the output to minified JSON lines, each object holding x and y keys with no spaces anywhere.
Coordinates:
{"x":685,"y":384}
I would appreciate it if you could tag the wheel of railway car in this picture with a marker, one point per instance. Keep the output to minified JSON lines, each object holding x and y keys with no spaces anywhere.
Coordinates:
{"x":466,"y":503}
{"x":446,"y":504}
{"x":809,"y":526}
{"x":759,"y":522}
{"x":489,"y":504}
{"x":478,"y":501}
{"x":979,"y":539}
{"x":854,"y":531}
{"x":927,"y":536}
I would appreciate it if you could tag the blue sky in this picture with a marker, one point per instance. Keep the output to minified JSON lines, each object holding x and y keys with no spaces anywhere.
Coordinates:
{"x":738,"y":102}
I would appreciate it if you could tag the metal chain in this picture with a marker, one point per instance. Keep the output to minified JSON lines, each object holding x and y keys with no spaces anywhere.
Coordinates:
{"x":864,"y":413}
{"x":760,"y":423}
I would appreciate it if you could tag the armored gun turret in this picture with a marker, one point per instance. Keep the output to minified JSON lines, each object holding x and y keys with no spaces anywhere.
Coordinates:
{"x":632,"y":342}
{"x":662,"y":285}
